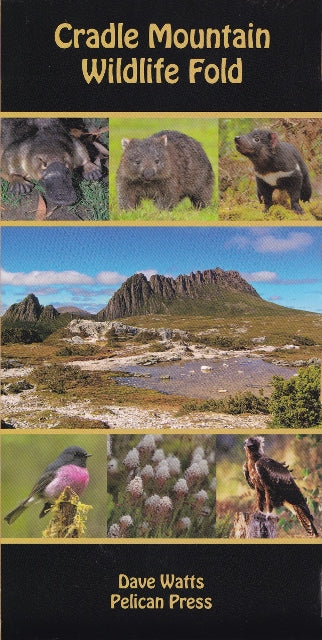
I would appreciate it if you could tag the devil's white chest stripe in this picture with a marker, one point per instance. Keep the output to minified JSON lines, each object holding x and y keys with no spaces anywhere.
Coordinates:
{"x":272,"y":178}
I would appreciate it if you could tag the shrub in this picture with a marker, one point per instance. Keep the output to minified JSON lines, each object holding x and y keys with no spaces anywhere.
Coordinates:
{"x":246,"y":402}
{"x":57,"y":377}
{"x":13,"y":334}
{"x":295,"y":403}
{"x":304,"y":341}
{"x":112,"y":339}
{"x":224,"y":342}
{"x":145,"y":336}
{"x":77,"y":350}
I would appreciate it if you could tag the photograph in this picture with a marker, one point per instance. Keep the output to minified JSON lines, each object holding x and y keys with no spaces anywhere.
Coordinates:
{"x":164,"y":169}
{"x":36,"y":472}
{"x":161,"y":486}
{"x":268,"y":486}
{"x":160,"y":327}
{"x":54,"y":169}
{"x":270,"y":169}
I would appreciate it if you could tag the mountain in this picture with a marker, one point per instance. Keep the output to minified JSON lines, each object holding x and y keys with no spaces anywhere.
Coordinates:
{"x":210,"y":292}
{"x":80,"y":313}
{"x":30,"y":310}
{"x":29,"y":321}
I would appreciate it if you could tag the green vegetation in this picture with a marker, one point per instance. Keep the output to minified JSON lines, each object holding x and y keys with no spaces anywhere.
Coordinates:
{"x":92,"y":202}
{"x":237,"y":187}
{"x":78,"y":350}
{"x":8,"y":198}
{"x":202,"y":129}
{"x":245,"y":402}
{"x":29,"y":332}
{"x":170,"y":492}
{"x":21,"y":333}
{"x":296,"y":403}
{"x":58,"y":378}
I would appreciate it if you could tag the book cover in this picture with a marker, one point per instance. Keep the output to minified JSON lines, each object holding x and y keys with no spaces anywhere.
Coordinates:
{"x":161,"y":223}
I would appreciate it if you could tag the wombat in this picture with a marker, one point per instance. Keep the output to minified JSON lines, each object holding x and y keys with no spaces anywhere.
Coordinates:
{"x":278,"y":165}
{"x":166,"y":167}
{"x":42,"y":149}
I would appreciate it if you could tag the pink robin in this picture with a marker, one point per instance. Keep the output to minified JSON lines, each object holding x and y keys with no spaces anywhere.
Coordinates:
{"x":68,"y":470}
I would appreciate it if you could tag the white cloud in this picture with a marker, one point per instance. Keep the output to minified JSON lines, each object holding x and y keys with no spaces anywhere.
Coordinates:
{"x":110,"y":277}
{"x":41,"y":278}
{"x":292,"y":242}
{"x":260,"y":276}
{"x":267,"y":242}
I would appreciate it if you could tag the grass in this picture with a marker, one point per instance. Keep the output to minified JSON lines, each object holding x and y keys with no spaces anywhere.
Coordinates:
{"x":278,"y":329}
{"x":203,"y":130}
{"x":93,"y":200}
{"x":251,"y":209}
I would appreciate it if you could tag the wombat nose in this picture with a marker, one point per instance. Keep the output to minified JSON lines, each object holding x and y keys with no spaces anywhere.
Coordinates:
{"x":237,"y":138}
{"x":148,"y":173}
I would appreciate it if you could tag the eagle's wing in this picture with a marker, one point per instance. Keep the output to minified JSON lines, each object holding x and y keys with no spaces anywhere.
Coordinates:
{"x":281,"y":484}
{"x":247,"y":476}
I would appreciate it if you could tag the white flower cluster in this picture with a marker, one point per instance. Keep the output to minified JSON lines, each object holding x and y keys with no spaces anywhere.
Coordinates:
{"x":119,"y":529}
{"x":163,"y":494}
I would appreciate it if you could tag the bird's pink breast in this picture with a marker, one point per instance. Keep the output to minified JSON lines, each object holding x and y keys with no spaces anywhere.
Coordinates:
{"x":68,"y":476}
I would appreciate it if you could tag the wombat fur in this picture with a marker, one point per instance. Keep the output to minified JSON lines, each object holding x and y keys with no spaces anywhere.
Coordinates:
{"x":166,"y":167}
{"x":42,"y":149}
{"x":278,"y":165}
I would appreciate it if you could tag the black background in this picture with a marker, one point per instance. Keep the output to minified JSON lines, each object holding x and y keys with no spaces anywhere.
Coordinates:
{"x":39,"y":76}
{"x":63,"y":592}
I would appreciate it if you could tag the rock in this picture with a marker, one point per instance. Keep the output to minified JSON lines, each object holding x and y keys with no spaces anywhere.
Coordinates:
{"x":139,"y":295}
{"x":29,"y":310}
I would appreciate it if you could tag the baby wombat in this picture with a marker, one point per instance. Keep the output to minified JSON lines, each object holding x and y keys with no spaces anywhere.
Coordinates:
{"x":166,"y":167}
{"x":278,"y":165}
{"x":43,"y":149}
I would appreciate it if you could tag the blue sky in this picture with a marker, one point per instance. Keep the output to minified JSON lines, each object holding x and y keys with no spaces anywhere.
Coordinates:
{"x":83,"y":266}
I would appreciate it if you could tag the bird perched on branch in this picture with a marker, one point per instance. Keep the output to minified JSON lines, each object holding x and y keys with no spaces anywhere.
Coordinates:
{"x":274,"y":484}
{"x":68,"y":470}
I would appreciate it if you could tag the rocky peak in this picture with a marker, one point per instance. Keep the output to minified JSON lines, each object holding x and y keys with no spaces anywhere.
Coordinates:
{"x":137,"y":295}
{"x":30,"y":310}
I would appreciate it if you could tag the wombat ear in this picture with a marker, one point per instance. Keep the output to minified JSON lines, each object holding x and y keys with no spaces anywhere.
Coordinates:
{"x":164,"y":139}
{"x":274,"y":138}
{"x":125,"y":142}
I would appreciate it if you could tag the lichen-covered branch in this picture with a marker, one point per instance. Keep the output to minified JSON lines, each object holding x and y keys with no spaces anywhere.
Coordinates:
{"x":69,"y":517}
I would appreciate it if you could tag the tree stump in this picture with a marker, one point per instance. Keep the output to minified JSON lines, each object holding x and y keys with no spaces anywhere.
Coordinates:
{"x":255,"y":525}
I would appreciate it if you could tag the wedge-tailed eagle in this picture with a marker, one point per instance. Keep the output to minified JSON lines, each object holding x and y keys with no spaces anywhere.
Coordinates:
{"x":274,"y":484}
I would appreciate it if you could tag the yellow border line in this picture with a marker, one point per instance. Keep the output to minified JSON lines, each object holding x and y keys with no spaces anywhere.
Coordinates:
{"x":160,"y":223}
{"x":162,"y":114}
{"x":174,"y":431}
{"x":167,"y":541}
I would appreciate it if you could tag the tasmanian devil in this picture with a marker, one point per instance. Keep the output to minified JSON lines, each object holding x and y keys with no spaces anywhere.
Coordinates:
{"x":42,"y":149}
{"x":278,"y":165}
